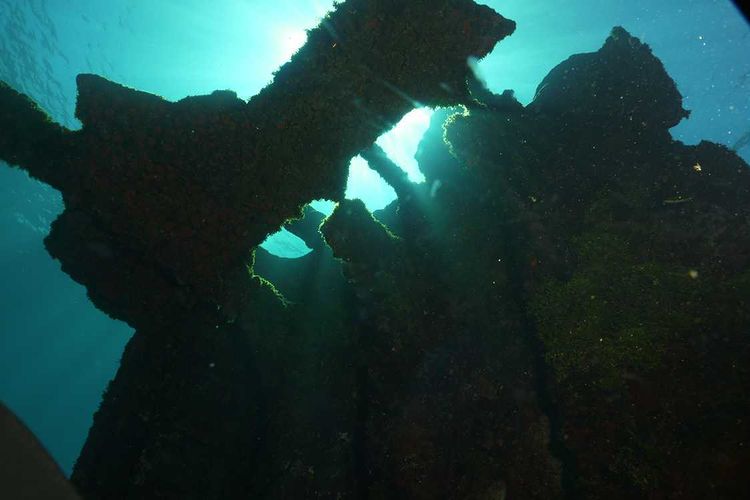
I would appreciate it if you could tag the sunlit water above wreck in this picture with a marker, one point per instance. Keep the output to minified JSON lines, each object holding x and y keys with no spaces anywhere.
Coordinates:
{"x":57,"y":352}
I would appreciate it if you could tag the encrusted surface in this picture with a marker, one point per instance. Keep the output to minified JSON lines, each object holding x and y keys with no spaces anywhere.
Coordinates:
{"x":561,"y":310}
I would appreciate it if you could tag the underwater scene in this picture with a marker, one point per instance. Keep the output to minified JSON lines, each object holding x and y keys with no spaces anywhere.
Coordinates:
{"x":374,"y":249}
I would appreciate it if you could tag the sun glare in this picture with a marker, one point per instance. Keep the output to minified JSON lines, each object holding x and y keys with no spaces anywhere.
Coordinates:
{"x":400,"y":143}
{"x":365,"y":184}
{"x":291,"y":41}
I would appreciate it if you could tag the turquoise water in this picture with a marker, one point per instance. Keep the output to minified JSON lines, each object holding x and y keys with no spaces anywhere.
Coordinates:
{"x":56,"y":351}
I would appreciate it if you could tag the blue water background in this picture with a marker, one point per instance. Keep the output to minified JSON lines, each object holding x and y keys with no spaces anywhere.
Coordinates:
{"x":57,"y":352}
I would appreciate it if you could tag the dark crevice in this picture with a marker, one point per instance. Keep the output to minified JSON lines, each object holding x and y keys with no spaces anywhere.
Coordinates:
{"x":359,"y":437}
{"x":515,"y":260}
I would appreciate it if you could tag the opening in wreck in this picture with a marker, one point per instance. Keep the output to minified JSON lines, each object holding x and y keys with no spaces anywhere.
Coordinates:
{"x":400,"y":143}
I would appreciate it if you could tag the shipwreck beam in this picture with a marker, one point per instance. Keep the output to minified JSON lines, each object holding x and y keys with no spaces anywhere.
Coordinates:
{"x":182,"y":191}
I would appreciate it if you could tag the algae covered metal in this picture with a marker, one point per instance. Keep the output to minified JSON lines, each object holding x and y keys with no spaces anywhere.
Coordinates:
{"x":559,"y":311}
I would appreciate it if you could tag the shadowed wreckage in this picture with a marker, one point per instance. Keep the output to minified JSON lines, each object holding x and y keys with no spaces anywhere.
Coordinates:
{"x":559,"y":311}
